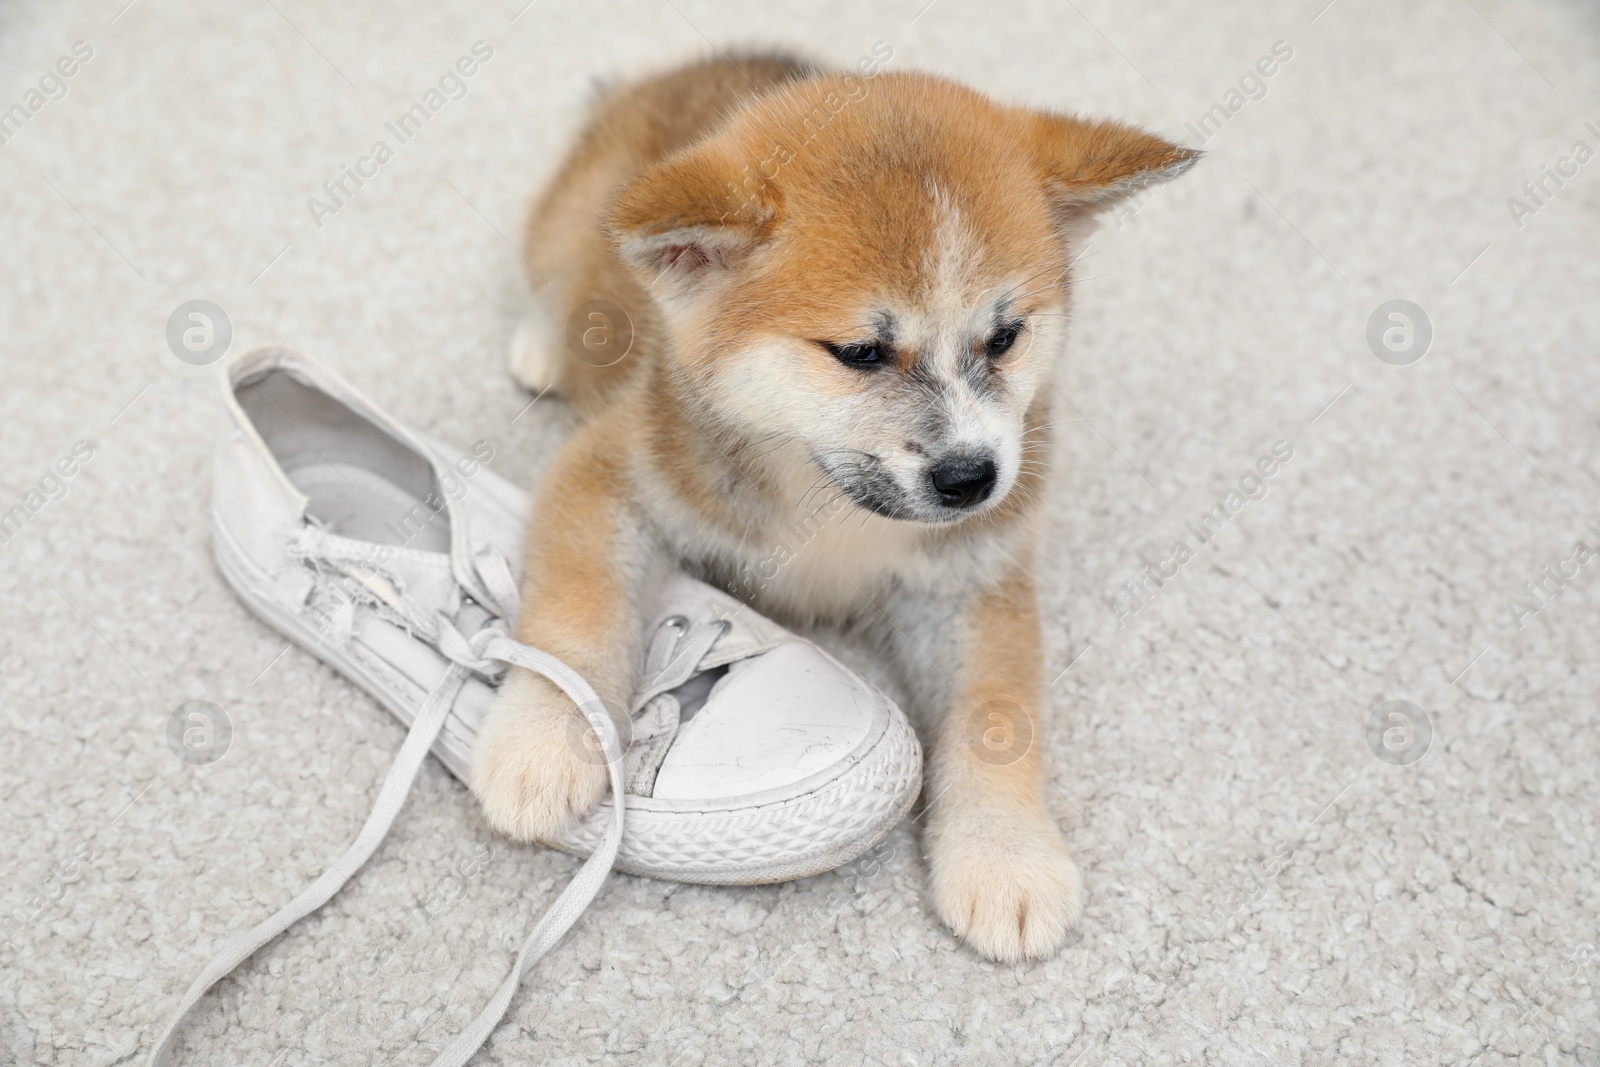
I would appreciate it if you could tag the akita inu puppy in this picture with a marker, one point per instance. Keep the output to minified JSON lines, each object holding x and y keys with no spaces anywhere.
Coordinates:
{"x":834,"y":287}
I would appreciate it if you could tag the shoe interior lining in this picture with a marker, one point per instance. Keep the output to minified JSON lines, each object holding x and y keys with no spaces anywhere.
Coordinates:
{"x":362,"y":483}
{"x":693,"y":694}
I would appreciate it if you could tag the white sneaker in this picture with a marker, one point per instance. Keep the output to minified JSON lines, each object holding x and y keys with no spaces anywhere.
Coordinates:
{"x":754,"y":756}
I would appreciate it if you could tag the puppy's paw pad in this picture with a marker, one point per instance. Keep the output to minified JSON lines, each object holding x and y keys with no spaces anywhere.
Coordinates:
{"x":531,"y":771}
{"x":1011,"y":897}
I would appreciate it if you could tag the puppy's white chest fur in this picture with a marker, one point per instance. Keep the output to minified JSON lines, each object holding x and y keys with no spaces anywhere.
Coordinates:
{"x":824,"y":560}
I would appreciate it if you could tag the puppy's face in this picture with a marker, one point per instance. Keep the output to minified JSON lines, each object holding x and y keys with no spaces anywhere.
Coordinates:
{"x":876,"y":273}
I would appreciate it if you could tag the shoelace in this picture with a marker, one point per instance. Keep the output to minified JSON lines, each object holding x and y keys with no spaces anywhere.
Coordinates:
{"x":487,"y":652}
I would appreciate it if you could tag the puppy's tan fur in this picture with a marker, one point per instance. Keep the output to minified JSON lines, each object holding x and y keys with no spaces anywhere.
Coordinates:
{"x":745,"y":216}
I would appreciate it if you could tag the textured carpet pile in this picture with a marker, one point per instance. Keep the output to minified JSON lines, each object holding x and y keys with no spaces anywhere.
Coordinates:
{"x":1269,"y":880}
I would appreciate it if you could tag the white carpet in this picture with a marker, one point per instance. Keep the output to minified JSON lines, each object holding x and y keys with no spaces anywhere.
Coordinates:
{"x":1261,"y":887}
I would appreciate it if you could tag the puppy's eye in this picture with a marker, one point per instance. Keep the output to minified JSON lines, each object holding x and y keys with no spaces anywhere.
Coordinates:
{"x":1000,"y":342}
{"x":868,"y":354}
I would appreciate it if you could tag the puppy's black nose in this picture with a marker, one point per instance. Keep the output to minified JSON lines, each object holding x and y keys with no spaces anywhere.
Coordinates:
{"x":963,"y":481}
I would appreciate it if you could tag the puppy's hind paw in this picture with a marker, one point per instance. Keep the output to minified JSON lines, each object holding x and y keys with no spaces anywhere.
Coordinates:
{"x":534,"y":357}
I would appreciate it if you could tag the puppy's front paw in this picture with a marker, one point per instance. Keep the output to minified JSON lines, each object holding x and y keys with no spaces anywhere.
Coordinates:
{"x":530,"y":769}
{"x":1011,"y":893}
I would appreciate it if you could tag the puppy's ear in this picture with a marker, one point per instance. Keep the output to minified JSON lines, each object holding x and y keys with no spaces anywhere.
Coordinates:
{"x":690,"y":220}
{"x":1089,"y":166}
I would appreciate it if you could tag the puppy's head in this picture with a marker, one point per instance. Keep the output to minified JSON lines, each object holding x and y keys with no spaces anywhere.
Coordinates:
{"x":877,"y":272}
